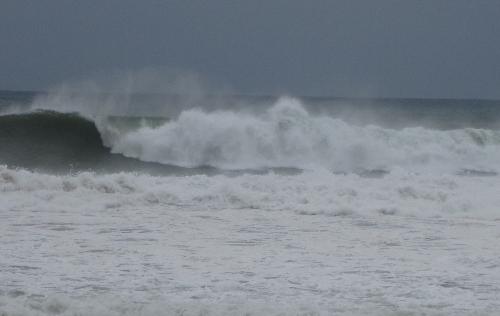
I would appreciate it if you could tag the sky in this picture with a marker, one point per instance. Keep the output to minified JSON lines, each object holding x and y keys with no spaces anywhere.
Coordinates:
{"x":354,"y":48}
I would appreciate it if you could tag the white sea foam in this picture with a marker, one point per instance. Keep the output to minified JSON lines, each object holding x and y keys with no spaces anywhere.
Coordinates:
{"x":110,"y":306}
{"x":312,"y":192}
{"x":115,"y":307}
{"x":309,"y":244}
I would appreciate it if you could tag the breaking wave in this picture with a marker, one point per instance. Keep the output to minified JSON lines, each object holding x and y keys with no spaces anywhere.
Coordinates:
{"x":286,"y":135}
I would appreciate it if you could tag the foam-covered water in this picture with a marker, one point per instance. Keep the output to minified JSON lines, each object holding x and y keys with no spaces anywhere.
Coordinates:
{"x":248,"y":244}
{"x":362,"y":219}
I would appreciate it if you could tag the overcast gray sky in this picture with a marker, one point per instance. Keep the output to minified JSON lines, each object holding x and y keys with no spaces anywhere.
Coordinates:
{"x":388,"y":48}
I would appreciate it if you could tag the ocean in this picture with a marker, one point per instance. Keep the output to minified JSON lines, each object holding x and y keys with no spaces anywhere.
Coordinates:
{"x":148,"y":204}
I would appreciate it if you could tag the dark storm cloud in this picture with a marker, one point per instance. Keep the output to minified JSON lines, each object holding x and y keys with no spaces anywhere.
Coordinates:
{"x":370,"y":48}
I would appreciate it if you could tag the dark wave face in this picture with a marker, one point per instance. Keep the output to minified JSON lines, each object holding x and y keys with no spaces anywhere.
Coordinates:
{"x":59,"y":142}
{"x":51,"y":140}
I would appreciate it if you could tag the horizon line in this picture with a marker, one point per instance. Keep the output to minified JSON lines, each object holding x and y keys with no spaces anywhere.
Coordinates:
{"x":250,"y":95}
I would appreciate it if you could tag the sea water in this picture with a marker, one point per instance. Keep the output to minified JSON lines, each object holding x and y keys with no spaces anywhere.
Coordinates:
{"x":248,"y":206}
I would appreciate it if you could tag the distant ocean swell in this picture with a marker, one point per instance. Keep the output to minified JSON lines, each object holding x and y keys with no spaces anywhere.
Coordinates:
{"x":285,"y":135}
